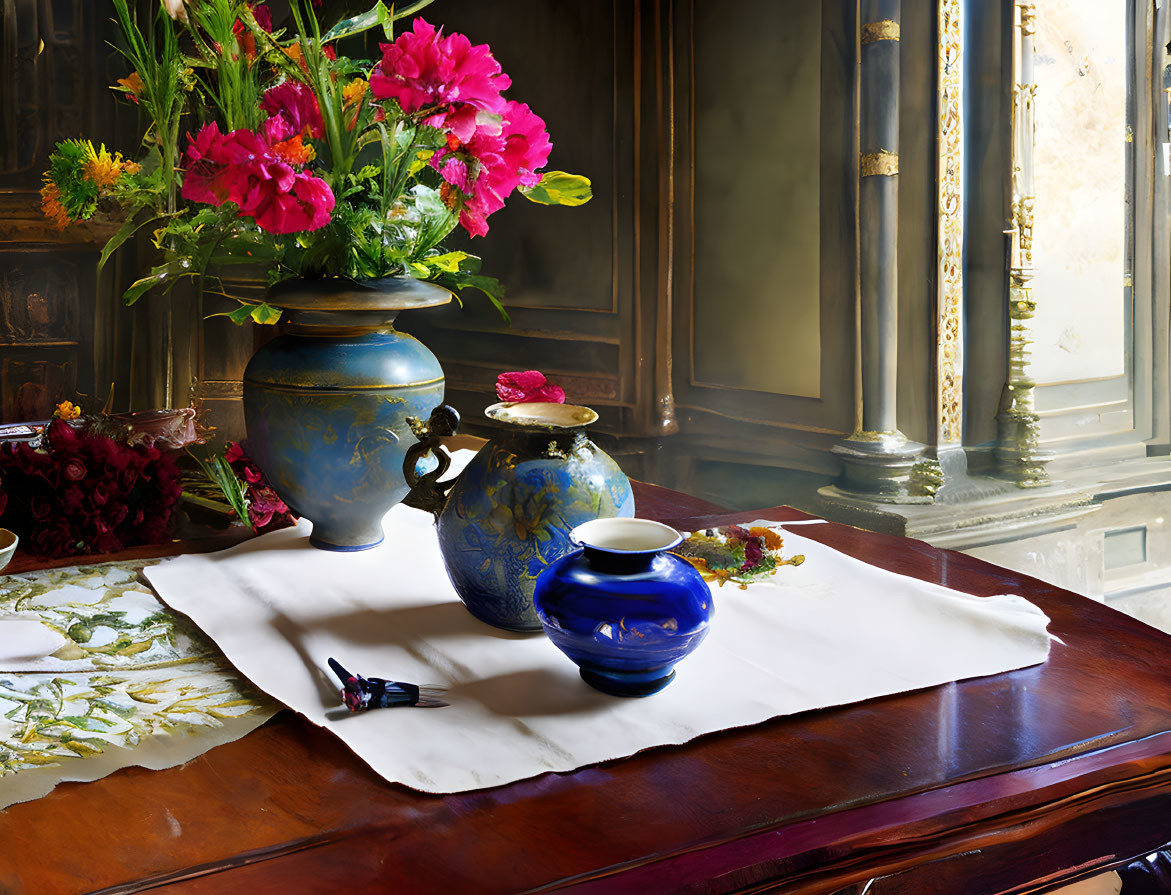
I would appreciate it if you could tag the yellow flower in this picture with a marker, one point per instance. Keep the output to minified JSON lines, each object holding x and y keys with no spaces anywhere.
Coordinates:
{"x":67,"y":410}
{"x":103,"y":169}
{"x":354,"y":91}
{"x":52,"y":207}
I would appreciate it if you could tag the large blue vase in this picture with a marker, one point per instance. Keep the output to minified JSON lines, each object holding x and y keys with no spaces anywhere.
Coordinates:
{"x":510,"y":512}
{"x":326,"y":403}
{"x":622,"y":607}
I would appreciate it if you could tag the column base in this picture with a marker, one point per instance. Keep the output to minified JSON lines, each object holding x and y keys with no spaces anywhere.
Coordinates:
{"x":886,"y":467}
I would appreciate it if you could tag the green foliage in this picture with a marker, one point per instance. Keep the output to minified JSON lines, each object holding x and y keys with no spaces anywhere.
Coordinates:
{"x":392,"y":210}
{"x":79,"y":195}
{"x":216,"y":467}
{"x":377,"y":16}
{"x":559,"y":188}
{"x":258,"y":312}
{"x":131,"y":226}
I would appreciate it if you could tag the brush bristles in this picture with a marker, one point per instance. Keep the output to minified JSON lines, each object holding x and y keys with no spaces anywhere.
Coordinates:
{"x":430,"y":698}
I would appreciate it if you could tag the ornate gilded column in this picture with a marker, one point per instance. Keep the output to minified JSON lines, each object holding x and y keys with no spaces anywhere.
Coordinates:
{"x":877,"y":459}
{"x":949,"y":358}
{"x":1018,"y":455}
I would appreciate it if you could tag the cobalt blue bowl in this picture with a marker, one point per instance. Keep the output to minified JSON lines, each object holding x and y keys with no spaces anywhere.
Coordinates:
{"x":623,"y":608}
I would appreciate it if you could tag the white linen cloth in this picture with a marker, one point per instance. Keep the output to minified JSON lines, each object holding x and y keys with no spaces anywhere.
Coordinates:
{"x":829,"y":632}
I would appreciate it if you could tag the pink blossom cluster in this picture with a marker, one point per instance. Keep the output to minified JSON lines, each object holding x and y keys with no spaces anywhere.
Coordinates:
{"x":526,"y":386}
{"x":261,"y":172}
{"x":494,"y":144}
{"x":266,"y":511}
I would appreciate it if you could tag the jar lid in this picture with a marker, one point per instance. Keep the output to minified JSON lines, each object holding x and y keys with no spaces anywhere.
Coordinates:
{"x":542,"y":414}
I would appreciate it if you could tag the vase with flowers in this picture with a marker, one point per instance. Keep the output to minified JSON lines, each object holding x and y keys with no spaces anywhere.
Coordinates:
{"x":277,"y":145}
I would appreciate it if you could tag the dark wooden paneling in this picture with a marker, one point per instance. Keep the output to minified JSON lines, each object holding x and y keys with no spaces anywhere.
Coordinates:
{"x":563,"y":59}
{"x":756,"y":199}
{"x":57,"y":337}
{"x":716,"y":405}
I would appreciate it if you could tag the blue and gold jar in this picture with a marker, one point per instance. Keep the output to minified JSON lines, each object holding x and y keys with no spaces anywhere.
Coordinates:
{"x":510,"y":512}
{"x":326,"y":403}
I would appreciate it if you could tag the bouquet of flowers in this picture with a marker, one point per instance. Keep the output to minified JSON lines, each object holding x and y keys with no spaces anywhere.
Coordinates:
{"x":303,"y":159}
{"x":82,"y":491}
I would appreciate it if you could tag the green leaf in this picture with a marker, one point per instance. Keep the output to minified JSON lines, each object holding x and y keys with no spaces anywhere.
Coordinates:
{"x":128,"y":229}
{"x":98,"y":725}
{"x":559,"y":188}
{"x":448,"y":262}
{"x":377,"y":15}
{"x":164,"y":274}
{"x":490,"y":286}
{"x":262,"y":313}
{"x":411,"y":9}
{"x":265,"y":314}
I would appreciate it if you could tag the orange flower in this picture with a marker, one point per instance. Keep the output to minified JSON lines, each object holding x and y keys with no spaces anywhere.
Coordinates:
{"x":772,"y":540}
{"x":294,"y":151}
{"x":449,"y":195}
{"x":67,"y":410}
{"x":293,"y":51}
{"x":52,"y":207}
{"x":133,"y":85}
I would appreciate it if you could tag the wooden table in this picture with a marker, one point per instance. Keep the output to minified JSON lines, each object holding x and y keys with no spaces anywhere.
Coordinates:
{"x":1009,"y":783}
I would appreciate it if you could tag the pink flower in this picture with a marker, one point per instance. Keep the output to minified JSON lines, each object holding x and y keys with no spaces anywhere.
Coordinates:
{"x":234,"y":452}
{"x":422,"y":69}
{"x":293,"y":110}
{"x":529,"y":385}
{"x":505,"y":160}
{"x":241,"y":167}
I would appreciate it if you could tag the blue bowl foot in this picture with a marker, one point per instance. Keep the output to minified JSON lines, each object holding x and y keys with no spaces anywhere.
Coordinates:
{"x":618,"y":684}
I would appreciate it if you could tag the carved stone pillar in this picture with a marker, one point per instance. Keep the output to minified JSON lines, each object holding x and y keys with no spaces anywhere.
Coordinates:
{"x":1018,"y":456}
{"x":877,"y":460}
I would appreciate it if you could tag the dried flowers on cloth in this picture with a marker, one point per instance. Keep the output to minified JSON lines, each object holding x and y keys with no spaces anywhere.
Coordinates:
{"x":134,"y":684}
{"x":737,"y":554}
{"x":245,"y":489}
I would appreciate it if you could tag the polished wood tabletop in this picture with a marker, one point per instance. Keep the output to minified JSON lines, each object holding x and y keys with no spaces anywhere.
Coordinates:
{"x":1008,"y":783}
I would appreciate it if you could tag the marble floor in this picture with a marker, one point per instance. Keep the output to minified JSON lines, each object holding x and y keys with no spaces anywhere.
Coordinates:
{"x":1154,"y":608}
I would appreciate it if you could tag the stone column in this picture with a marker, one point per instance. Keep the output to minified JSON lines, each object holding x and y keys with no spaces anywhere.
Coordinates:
{"x":1018,"y":455}
{"x":877,"y":459}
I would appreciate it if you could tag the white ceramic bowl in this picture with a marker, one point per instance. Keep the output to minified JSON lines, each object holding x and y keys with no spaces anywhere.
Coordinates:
{"x":8,"y":542}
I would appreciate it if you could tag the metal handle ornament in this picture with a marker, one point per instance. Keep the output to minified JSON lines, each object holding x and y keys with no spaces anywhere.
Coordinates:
{"x":427,"y":492}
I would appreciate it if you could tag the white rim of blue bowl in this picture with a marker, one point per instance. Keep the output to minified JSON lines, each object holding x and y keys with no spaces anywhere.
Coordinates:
{"x":609,"y":535}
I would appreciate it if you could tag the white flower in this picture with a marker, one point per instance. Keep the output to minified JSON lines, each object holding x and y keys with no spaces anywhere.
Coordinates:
{"x":175,"y":9}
